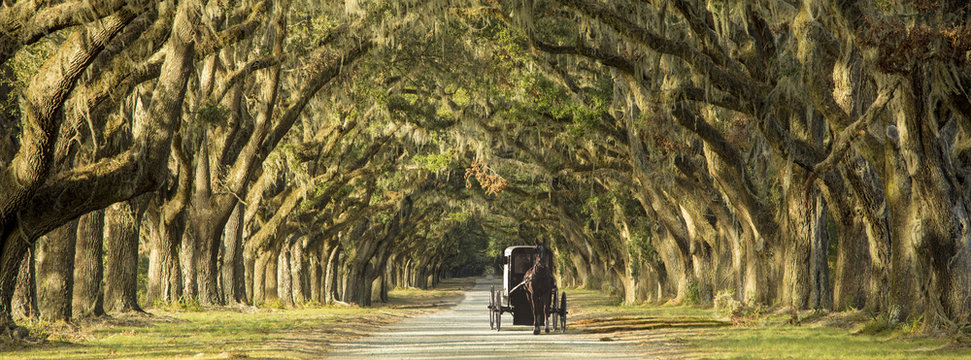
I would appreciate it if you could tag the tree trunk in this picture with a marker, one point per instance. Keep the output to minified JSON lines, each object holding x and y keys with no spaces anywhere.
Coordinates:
{"x":298,"y":276}
{"x":232,"y":260}
{"x":25,"y":296}
{"x":55,"y":272}
{"x":582,"y":273}
{"x":315,"y":276}
{"x":933,"y":229}
{"x":375,"y":293}
{"x":89,"y":266}
{"x":387,"y":281}
{"x":260,"y":266}
{"x":852,"y":270}
{"x":757,"y":289}
{"x":187,"y":263}
{"x":249,"y":266}
{"x":795,"y":247}
{"x":340,"y":275}
{"x":164,"y":269}
{"x":284,"y":276}
{"x":356,"y":289}
{"x":678,"y":265}
{"x":821,"y":293}
{"x":208,"y":222}
{"x":330,"y":275}
{"x":265,"y":276}
{"x":272,"y":289}
{"x":121,"y":263}
{"x":873,"y":222}
{"x":701,"y":257}
{"x":207,"y":261}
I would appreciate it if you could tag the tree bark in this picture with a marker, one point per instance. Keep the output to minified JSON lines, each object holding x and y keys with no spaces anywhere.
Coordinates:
{"x":249,"y":266}
{"x":298,"y":275}
{"x":821,"y":292}
{"x":265,"y":276}
{"x":89,"y":266}
{"x":331,"y":268}
{"x":55,"y":272}
{"x":121,"y":262}
{"x":284,"y":277}
{"x":25,"y":296}
{"x":315,"y":275}
{"x":164,"y":269}
{"x":187,"y":263}
{"x":207,"y":225}
{"x":232,"y":260}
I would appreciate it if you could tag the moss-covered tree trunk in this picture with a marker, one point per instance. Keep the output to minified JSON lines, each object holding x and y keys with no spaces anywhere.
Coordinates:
{"x":284,"y":276}
{"x":331,"y":278}
{"x":357,"y":287}
{"x":249,"y":268}
{"x":55,"y":272}
{"x":932,"y":225}
{"x":260,"y":264}
{"x":232,"y":268}
{"x":89,"y":266}
{"x":207,"y":224}
{"x":315,"y":279}
{"x":821,"y":290}
{"x":25,"y":295}
{"x":187,"y":263}
{"x":121,"y":260}
{"x":164,"y":280}
{"x":299,"y":276}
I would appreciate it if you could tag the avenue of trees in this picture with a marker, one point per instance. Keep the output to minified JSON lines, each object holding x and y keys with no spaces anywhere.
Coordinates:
{"x":805,"y":154}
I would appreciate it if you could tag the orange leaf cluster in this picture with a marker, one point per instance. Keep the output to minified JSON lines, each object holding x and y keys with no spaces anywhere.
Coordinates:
{"x":492,"y":183}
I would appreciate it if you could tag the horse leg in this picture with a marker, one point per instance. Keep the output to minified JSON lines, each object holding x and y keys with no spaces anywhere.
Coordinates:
{"x":545,"y":303}
{"x":533,"y":304}
{"x":546,"y":310}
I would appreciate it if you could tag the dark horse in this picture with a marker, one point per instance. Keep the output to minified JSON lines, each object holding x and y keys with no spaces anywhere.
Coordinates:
{"x":538,"y":282}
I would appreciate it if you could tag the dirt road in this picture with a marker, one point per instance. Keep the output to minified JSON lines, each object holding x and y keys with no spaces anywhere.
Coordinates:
{"x":462,"y":332}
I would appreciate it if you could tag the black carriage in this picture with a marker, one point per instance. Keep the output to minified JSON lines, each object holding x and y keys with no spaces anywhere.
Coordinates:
{"x":511,"y":298}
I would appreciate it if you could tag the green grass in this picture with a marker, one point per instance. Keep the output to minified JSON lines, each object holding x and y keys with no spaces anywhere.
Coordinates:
{"x":585,"y":303}
{"x":769,"y":336}
{"x":791,"y":342}
{"x":221,"y":333}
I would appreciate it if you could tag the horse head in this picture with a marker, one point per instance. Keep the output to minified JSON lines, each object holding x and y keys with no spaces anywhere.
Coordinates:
{"x":540,"y":251}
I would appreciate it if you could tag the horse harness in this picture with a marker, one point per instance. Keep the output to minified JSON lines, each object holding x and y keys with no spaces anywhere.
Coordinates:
{"x":527,"y":278}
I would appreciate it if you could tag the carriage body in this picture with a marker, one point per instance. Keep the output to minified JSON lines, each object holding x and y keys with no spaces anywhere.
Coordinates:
{"x":512,"y":298}
{"x":516,"y":261}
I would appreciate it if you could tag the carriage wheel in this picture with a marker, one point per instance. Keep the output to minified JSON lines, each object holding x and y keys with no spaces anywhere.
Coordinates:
{"x":563,"y":313}
{"x":551,"y":312}
{"x":492,"y":307}
{"x":556,"y":314}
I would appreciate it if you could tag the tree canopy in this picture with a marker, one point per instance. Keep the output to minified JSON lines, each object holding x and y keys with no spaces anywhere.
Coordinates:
{"x":806,"y":154}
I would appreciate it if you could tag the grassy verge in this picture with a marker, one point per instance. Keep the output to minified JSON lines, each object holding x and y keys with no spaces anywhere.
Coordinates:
{"x":697,"y":333}
{"x":220,"y":333}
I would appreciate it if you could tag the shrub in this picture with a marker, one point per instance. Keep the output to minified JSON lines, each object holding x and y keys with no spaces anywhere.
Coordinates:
{"x":725,"y":304}
{"x":693,"y":295}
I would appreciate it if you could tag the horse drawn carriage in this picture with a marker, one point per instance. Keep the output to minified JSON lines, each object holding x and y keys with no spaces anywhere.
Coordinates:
{"x":522,"y":296}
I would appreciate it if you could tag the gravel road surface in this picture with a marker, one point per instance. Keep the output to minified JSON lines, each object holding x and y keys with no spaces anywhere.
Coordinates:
{"x":462,"y":332}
